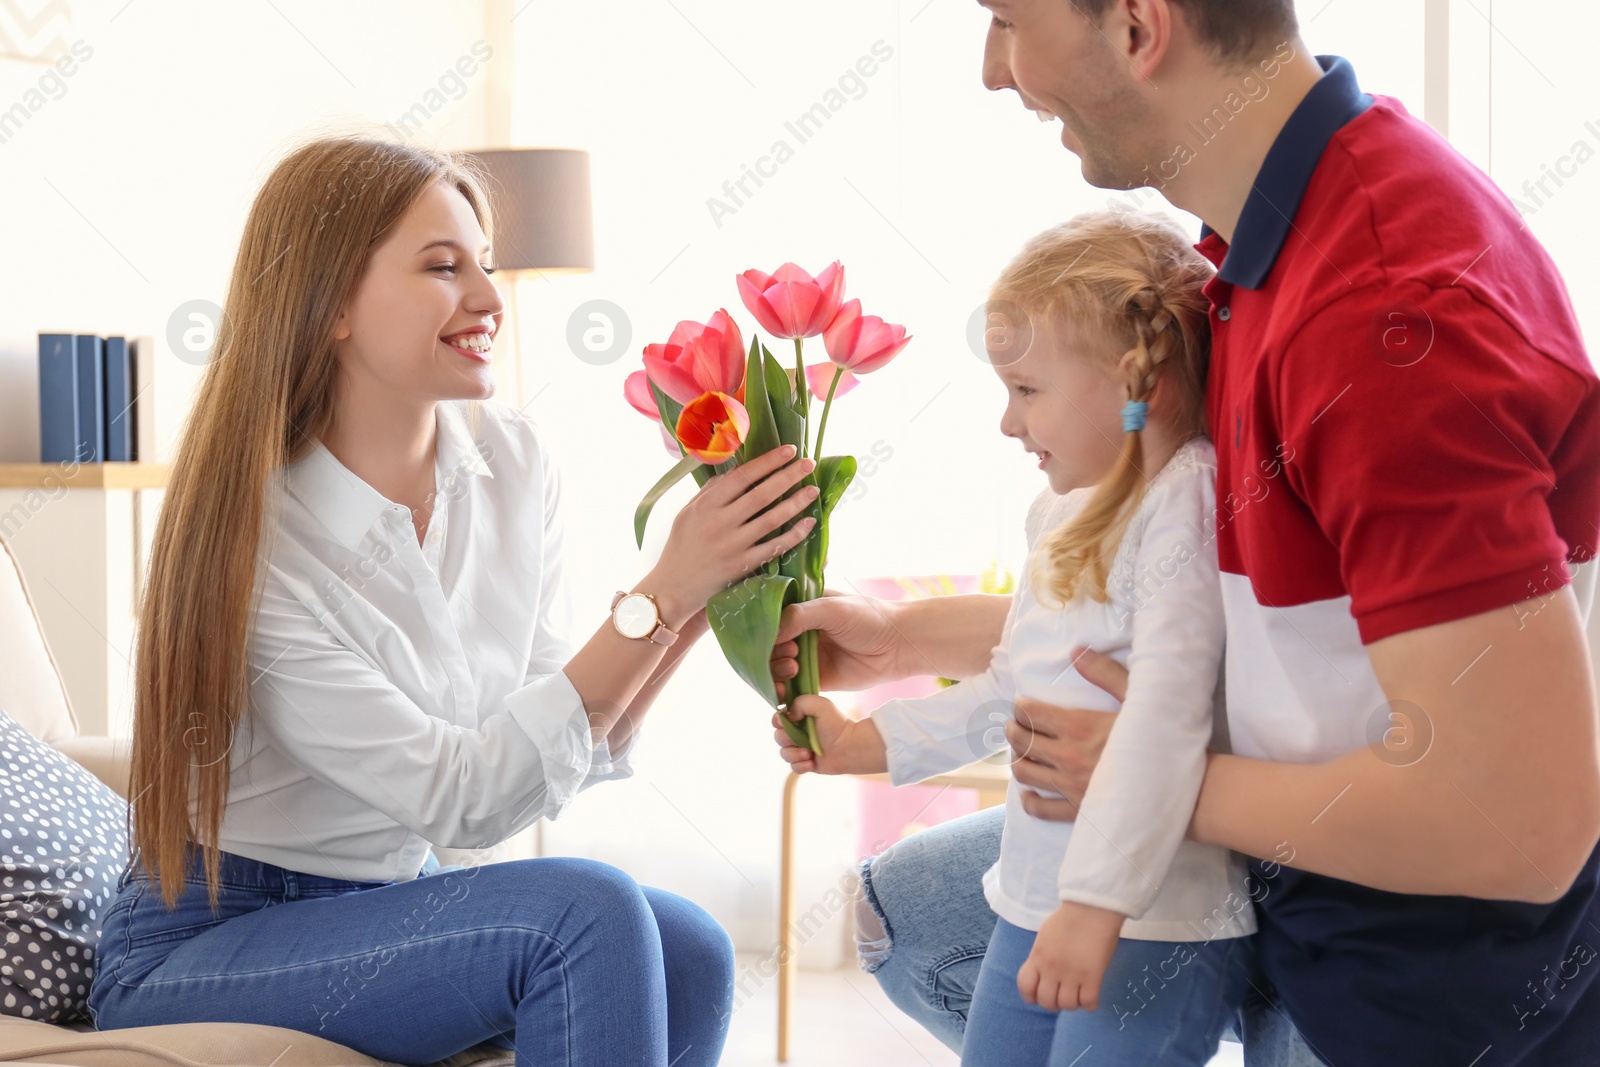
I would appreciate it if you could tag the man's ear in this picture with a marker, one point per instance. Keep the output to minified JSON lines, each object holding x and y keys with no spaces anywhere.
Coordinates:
{"x":1142,"y":31}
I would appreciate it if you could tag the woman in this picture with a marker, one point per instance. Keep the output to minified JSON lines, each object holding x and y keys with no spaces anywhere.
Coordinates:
{"x":347,"y":656}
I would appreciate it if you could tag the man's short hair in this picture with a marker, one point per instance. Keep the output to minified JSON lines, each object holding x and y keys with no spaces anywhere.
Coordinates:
{"x":1236,"y":30}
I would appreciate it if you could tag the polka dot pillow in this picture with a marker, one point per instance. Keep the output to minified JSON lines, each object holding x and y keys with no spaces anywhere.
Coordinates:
{"x":63,"y":845}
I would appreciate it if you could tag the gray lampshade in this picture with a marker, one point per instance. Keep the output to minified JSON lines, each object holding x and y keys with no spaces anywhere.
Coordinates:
{"x":543,"y":214}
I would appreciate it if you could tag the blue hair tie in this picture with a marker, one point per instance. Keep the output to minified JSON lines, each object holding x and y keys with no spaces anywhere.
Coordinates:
{"x":1133,"y":415}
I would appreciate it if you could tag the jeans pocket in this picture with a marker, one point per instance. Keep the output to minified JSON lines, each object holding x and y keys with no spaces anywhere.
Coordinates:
{"x":112,"y":949}
{"x":150,"y":922}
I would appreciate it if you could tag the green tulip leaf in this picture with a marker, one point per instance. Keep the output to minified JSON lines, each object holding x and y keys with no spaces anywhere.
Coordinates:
{"x":763,"y":435}
{"x":834,"y":474}
{"x":791,"y":425}
{"x":745,"y":617}
{"x":670,"y":411}
{"x":668,"y":408}
{"x":641,"y":514}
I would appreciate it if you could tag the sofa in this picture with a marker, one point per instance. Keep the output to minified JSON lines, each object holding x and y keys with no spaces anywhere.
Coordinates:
{"x":31,"y":691}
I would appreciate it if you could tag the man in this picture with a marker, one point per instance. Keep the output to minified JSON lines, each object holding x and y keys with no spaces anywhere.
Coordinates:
{"x":1406,"y":428}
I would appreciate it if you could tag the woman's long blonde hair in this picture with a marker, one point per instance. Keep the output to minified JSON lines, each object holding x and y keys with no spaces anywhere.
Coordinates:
{"x":1129,"y":284}
{"x":265,"y":398}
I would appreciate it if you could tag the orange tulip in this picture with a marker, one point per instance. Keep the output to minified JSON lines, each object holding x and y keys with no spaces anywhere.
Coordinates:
{"x":712,"y":427}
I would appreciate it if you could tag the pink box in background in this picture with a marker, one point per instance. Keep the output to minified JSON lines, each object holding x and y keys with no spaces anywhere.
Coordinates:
{"x":888,"y":814}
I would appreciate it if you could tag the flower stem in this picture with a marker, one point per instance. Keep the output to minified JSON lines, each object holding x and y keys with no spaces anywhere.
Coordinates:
{"x":826,"y":404}
{"x":802,"y":395}
{"x":808,"y":681}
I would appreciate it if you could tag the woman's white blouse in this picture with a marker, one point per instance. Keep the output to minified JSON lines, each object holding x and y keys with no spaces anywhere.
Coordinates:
{"x":1126,"y":851}
{"x":404,"y":695}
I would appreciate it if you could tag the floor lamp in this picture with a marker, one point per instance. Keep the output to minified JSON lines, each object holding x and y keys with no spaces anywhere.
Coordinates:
{"x":543,"y":222}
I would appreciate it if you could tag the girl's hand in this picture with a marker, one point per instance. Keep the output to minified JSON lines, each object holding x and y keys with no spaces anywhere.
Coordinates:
{"x":1069,"y":958}
{"x":848,"y":746}
{"x":717,"y":538}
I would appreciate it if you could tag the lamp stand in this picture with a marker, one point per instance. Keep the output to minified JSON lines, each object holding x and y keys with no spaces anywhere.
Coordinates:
{"x":514,"y":335}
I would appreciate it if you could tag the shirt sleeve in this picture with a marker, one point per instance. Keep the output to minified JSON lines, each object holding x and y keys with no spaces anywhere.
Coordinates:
{"x":1141,"y":796}
{"x":958,"y":725}
{"x":1422,"y":427}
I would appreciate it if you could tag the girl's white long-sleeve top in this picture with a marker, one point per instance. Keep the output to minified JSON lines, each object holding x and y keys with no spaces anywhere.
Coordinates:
{"x":1163,"y":620}
{"x":404,"y":695}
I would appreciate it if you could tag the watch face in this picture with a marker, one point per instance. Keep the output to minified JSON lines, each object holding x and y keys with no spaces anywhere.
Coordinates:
{"x":635,"y":615}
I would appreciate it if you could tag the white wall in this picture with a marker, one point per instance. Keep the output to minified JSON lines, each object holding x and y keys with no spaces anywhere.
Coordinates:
{"x":1545,"y":127}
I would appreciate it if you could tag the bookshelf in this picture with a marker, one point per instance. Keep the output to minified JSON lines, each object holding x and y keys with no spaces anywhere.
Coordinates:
{"x":85,"y":476}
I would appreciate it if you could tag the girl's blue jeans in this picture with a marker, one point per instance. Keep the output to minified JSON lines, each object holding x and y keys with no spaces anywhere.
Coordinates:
{"x":924,"y":927}
{"x":1161,"y":1002}
{"x":567,"y":961}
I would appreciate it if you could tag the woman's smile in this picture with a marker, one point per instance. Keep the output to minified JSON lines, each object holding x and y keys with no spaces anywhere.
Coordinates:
{"x":475,"y":344}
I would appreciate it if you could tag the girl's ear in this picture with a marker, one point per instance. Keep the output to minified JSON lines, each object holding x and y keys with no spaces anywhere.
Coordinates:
{"x":1159,"y":396}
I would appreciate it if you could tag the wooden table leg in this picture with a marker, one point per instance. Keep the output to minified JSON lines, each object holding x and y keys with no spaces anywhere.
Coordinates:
{"x":788,"y":955}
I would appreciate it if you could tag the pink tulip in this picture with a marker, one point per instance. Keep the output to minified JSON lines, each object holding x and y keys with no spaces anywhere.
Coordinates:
{"x":637,"y":391}
{"x":670,"y":442}
{"x":790,"y":302}
{"x":862,"y":343}
{"x":699,"y":358}
{"x":820,"y":377}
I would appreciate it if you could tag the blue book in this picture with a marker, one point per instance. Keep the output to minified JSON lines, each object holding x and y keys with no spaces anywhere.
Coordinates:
{"x":58,"y":398}
{"x":119,"y":401}
{"x":91,"y":399}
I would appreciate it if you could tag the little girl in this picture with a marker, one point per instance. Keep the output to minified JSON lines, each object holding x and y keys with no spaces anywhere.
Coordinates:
{"x":1100,"y":337}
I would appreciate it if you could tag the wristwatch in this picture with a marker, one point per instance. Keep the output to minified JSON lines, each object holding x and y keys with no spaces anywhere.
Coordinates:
{"x":636,"y":616}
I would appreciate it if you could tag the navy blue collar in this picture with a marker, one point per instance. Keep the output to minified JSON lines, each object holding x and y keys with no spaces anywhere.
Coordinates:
{"x":1269,"y":211}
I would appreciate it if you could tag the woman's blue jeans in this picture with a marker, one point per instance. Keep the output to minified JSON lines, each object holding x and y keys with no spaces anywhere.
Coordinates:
{"x":924,"y":926}
{"x":568,"y":961}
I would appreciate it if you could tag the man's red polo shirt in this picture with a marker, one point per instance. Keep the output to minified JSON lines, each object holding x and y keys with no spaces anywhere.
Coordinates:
{"x":1408,"y":432}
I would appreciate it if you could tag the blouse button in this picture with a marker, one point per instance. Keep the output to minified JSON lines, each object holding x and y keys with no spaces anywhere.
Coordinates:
{"x":1224,"y":313}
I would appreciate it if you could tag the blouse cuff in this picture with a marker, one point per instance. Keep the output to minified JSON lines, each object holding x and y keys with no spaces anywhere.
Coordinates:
{"x":605,"y":767}
{"x":1126,"y":904}
{"x":552,"y":714}
{"x":918,"y":745}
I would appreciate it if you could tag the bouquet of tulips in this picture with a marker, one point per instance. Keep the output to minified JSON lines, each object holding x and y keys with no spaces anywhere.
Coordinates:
{"x":720,"y":405}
